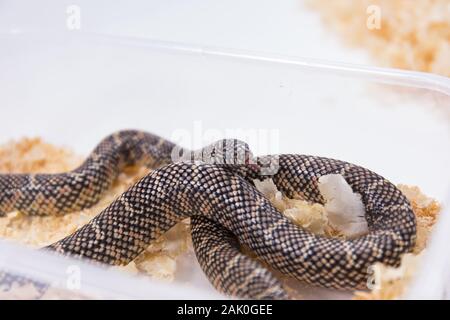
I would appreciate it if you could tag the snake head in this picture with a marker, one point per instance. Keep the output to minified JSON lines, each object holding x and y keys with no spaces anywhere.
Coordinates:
{"x":228,"y":152}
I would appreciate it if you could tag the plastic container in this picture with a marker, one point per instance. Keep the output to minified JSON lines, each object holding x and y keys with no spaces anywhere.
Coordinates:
{"x":75,"y":88}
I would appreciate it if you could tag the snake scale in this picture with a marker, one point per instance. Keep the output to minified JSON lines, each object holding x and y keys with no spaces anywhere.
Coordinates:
{"x":226,"y":210}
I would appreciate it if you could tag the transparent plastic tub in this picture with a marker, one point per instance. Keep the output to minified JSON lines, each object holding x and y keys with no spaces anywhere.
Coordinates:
{"x":73,"y":89}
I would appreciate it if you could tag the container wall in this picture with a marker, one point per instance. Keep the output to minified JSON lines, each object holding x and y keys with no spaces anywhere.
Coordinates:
{"x":74,"y":90}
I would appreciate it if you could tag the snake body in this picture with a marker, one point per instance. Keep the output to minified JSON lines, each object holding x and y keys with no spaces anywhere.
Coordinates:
{"x":226,"y":209}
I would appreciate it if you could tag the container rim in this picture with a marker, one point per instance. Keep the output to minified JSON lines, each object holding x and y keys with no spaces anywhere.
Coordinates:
{"x":95,"y":281}
{"x":394,"y":76}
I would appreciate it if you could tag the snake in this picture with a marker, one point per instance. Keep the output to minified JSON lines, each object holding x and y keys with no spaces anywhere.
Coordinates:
{"x":214,"y":186}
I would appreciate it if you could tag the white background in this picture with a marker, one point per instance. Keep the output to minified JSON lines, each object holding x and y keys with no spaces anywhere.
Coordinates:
{"x":286,"y":26}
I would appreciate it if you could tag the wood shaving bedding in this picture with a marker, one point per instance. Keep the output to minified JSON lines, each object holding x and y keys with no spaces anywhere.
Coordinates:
{"x":160,"y":259}
{"x":411,"y":35}
{"x":33,"y":156}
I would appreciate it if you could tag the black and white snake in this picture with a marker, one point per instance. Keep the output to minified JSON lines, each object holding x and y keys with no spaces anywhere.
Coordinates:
{"x":225,"y":209}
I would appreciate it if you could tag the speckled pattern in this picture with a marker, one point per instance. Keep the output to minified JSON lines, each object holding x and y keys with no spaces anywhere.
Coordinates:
{"x":219,"y":255}
{"x":219,"y":194}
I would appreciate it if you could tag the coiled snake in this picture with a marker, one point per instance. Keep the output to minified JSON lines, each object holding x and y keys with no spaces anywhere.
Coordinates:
{"x":225,"y":209}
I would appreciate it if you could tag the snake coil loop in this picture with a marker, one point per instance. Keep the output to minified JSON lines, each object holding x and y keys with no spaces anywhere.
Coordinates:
{"x":226,"y":209}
